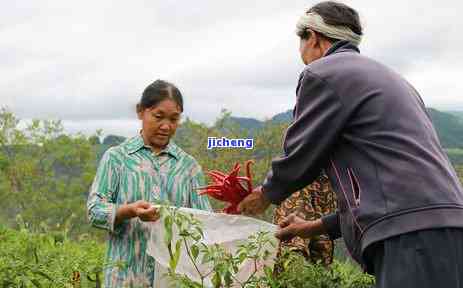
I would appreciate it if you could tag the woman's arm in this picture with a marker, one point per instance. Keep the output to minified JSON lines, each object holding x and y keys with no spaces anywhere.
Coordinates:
{"x":101,"y":206}
{"x":103,"y":211}
{"x":198,"y":201}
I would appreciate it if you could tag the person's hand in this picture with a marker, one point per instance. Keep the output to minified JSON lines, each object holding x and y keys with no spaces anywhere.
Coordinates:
{"x":293,"y":226}
{"x":145,"y":211}
{"x":255,"y":203}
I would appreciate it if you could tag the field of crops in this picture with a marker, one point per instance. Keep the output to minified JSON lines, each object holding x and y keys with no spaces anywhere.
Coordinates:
{"x":45,"y":240}
{"x":50,"y":259}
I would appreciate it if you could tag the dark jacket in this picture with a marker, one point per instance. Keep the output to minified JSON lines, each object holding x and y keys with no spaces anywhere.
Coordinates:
{"x":369,"y":129}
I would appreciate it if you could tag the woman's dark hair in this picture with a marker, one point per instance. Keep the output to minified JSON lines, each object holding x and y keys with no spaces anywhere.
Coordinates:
{"x":157,"y":92}
{"x":337,"y":14}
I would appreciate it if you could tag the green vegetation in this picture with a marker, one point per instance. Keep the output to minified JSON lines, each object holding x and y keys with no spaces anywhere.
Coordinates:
{"x":455,"y":155}
{"x":49,"y":259}
{"x":458,"y":114}
{"x":45,"y":176}
{"x":295,"y":270}
{"x":448,"y":127}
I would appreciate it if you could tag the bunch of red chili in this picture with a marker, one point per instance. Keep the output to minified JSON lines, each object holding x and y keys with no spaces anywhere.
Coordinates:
{"x":229,"y":188}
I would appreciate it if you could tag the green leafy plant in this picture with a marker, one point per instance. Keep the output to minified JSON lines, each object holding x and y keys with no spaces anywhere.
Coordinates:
{"x":49,"y":259}
{"x":294,"y":269}
{"x":44,"y":173}
{"x":224,"y":265}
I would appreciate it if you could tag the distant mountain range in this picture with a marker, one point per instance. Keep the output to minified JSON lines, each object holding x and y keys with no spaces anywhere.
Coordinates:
{"x":458,"y":114}
{"x":449,"y":125}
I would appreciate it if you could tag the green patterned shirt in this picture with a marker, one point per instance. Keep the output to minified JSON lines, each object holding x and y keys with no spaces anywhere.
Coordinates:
{"x":131,"y":172}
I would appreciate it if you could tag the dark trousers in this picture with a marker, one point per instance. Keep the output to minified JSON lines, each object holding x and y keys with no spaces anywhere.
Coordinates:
{"x":427,"y":258}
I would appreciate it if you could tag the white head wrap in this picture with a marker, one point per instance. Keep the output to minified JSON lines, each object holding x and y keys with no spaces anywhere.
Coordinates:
{"x":315,"y":22}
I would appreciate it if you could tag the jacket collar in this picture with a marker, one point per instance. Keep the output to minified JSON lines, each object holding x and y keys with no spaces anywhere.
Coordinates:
{"x":136,"y":143}
{"x":342,"y":46}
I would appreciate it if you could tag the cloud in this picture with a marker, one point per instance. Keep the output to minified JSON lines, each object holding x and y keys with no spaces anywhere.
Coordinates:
{"x":88,"y":63}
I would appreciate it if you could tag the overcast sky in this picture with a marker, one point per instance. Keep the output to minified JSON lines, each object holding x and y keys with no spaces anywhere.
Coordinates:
{"x":87,"y":62}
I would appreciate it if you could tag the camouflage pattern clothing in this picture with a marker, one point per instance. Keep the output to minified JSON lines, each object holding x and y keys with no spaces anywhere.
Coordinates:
{"x":310,"y":203}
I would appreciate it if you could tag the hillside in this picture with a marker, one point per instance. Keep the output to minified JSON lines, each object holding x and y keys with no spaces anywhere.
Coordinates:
{"x":449,"y":126}
{"x":458,"y":113}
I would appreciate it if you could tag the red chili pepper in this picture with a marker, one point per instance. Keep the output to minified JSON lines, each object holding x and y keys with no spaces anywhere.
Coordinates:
{"x":229,"y":188}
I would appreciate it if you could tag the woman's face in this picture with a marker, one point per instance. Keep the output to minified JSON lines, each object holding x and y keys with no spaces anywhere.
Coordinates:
{"x":159,"y":123}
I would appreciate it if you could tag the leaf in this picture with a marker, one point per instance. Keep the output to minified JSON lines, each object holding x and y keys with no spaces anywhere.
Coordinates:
{"x":200,"y":230}
{"x":242,"y":257}
{"x":196,"y":237}
{"x":206,"y":258}
{"x":216,"y":280}
{"x":174,"y":259}
{"x":168,"y":229}
{"x":43,"y":274}
{"x":266,"y":254}
{"x":36,"y":283}
{"x":268,"y":271}
{"x":228,"y":278}
{"x":194,"y":251}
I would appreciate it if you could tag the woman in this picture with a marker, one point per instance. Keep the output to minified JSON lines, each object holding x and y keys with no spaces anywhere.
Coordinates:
{"x":134,"y":174}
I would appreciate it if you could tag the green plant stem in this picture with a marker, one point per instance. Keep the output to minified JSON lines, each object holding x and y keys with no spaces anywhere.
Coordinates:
{"x":255,"y":265}
{"x":238,"y":281}
{"x":208,"y":273}
{"x":193,"y":261}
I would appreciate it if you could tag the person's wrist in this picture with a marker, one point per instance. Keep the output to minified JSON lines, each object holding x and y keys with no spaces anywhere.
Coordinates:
{"x":298,"y":230}
{"x":309,"y":229}
{"x":125,"y":211}
{"x":263,"y":196}
{"x":131,"y":210}
{"x":317,"y":227}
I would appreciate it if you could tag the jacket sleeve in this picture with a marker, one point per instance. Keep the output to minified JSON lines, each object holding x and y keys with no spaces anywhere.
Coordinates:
{"x":331,"y":225}
{"x":319,"y":118}
{"x":101,"y":207}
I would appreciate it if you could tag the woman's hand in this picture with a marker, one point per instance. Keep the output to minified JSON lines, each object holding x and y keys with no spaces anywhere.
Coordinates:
{"x":145,"y":211}
{"x":141,"y":209}
{"x":293,"y":226}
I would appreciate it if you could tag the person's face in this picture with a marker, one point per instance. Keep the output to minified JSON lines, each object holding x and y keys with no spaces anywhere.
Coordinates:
{"x":159,"y":123}
{"x":311,"y":48}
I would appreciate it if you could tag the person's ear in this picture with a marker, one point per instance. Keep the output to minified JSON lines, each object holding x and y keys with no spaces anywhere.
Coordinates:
{"x":313,"y":40}
{"x":316,"y":39}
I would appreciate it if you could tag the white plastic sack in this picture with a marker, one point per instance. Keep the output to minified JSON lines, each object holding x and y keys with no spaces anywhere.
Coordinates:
{"x":224,"y":229}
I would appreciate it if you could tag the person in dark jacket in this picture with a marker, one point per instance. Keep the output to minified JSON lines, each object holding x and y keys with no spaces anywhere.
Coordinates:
{"x":400,"y":203}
